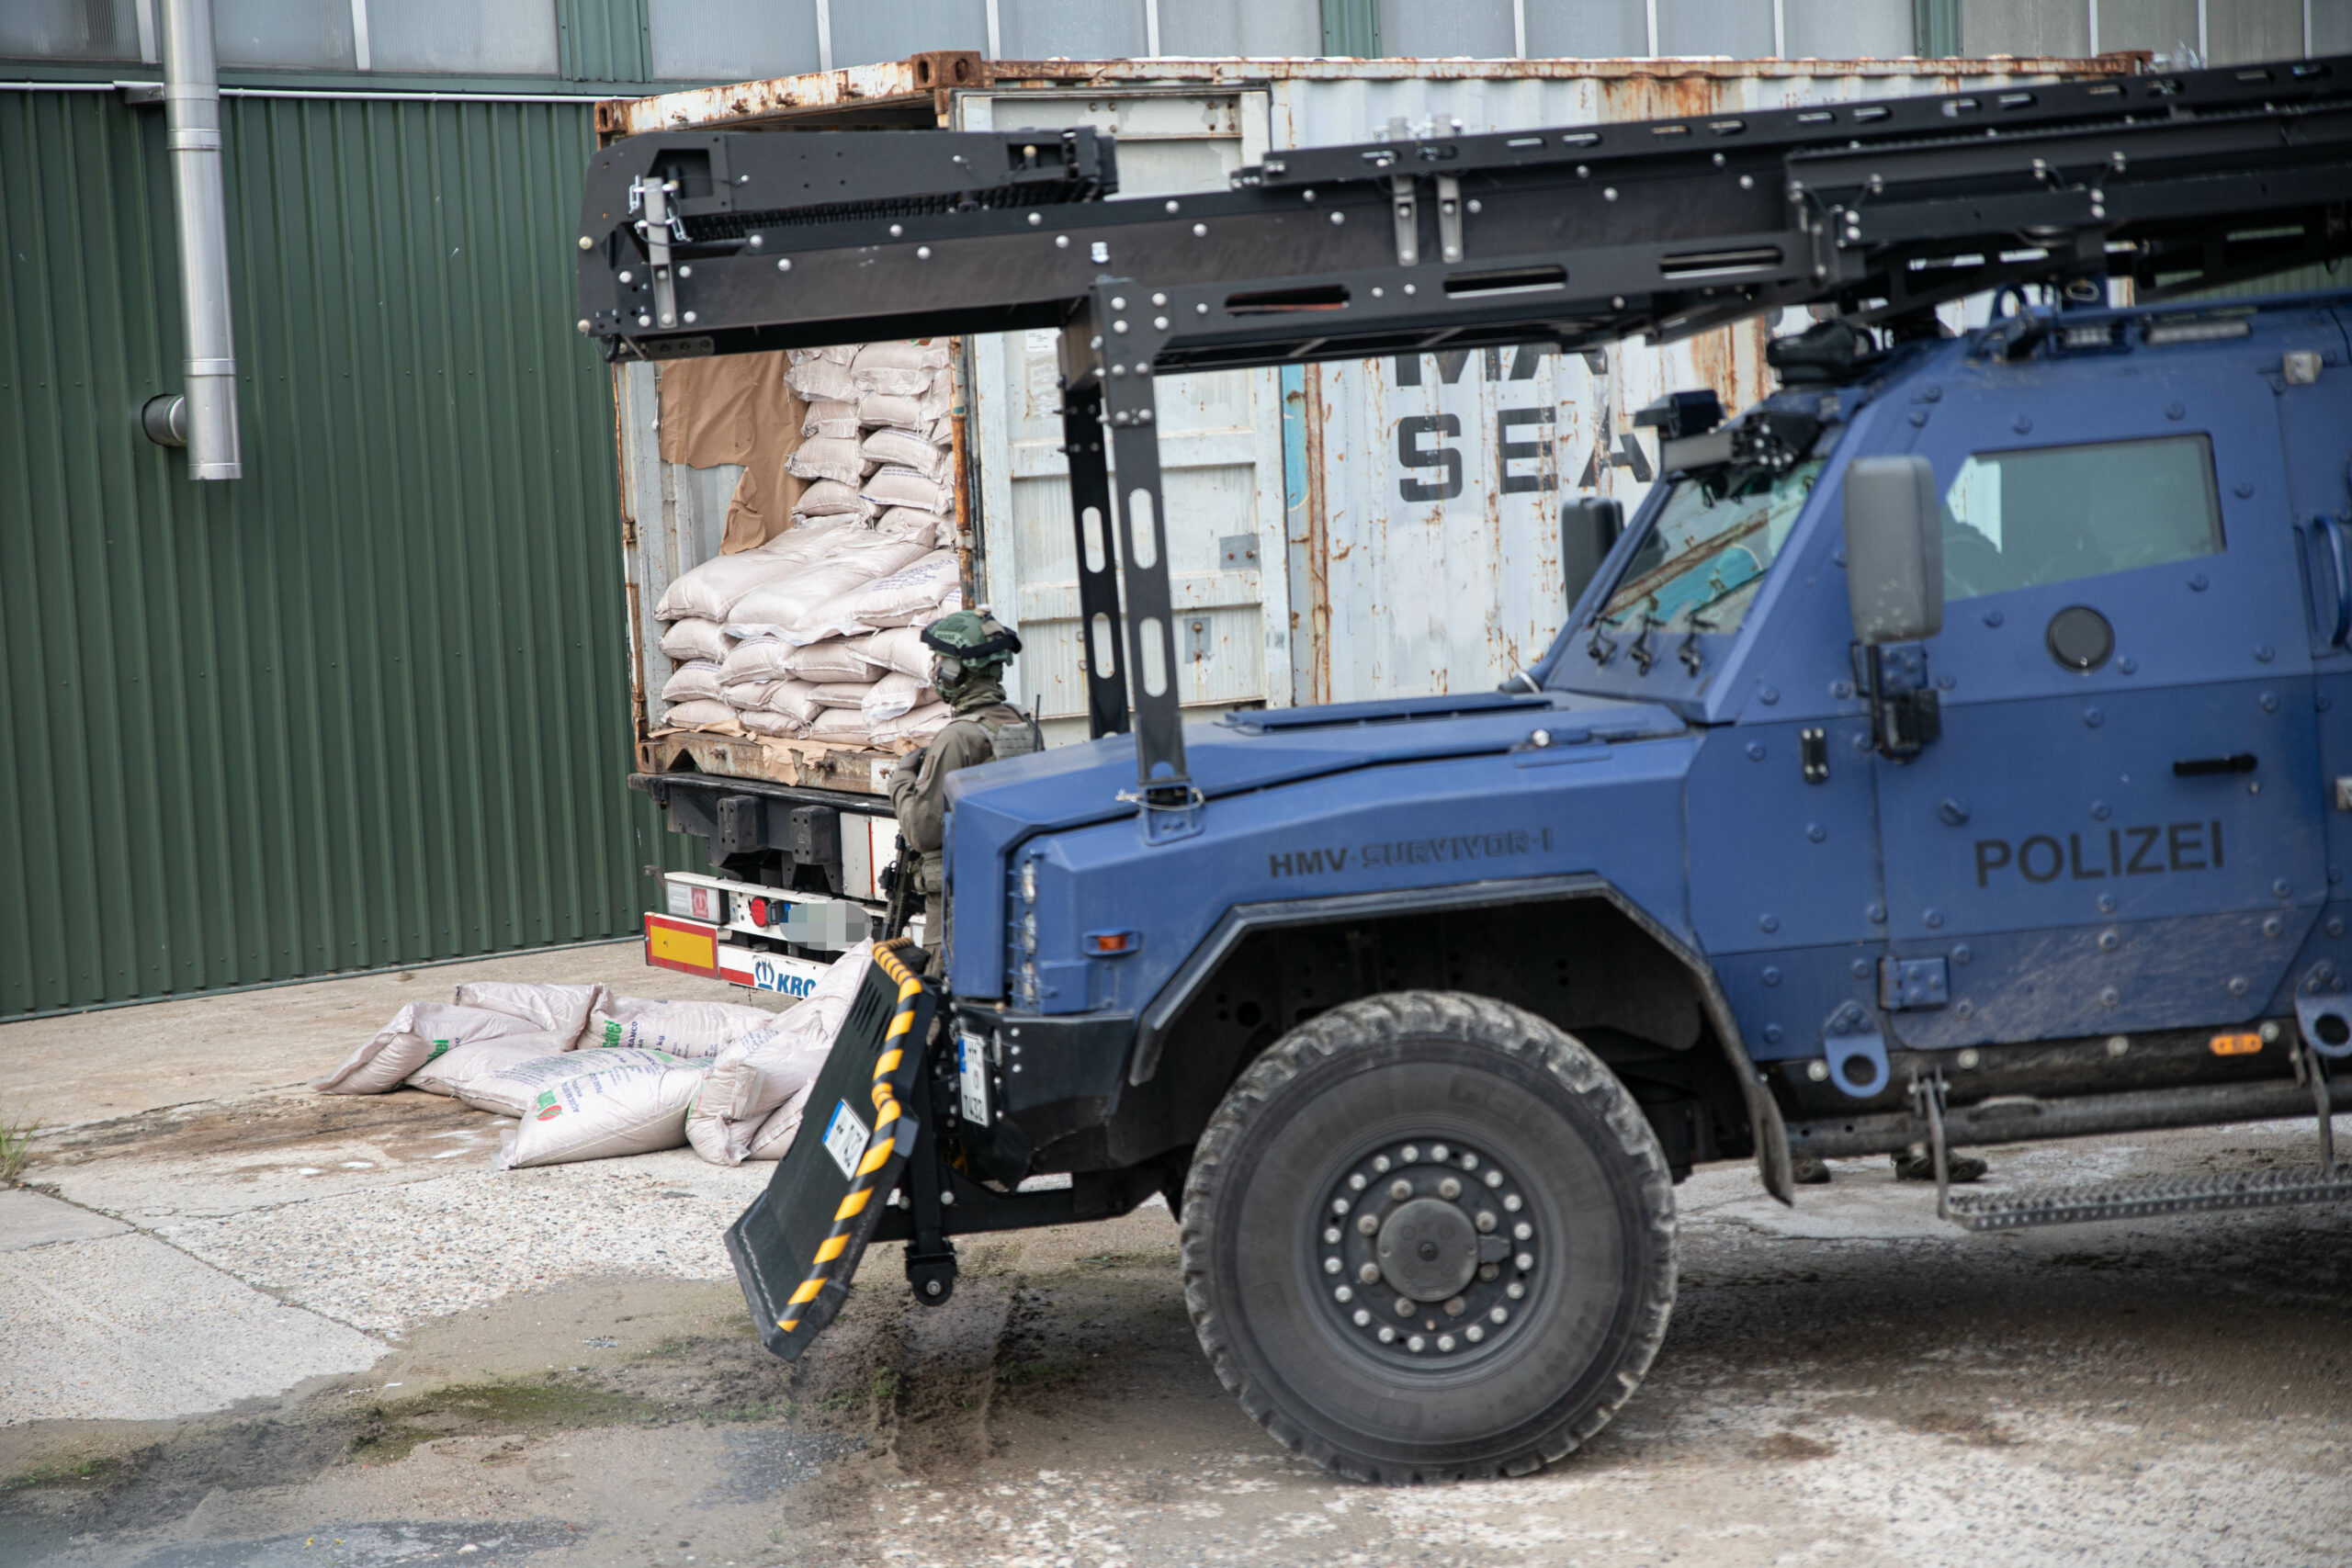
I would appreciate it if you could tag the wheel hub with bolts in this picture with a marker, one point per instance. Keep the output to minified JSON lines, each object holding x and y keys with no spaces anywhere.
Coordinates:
{"x":1427,"y":1250}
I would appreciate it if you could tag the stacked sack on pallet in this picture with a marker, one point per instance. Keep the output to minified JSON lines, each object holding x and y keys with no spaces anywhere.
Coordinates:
{"x":588,"y":1074}
{"x":815,"y":635}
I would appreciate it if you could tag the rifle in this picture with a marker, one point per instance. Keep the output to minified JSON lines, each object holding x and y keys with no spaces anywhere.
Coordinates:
{"x":897,"y":880}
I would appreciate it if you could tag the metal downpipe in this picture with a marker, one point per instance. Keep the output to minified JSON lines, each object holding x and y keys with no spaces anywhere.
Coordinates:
{"x":192,"y":134}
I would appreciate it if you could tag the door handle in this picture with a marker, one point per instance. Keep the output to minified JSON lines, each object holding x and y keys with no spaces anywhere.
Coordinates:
{"x":2200,"y":767}
{"x":2340,"y":571}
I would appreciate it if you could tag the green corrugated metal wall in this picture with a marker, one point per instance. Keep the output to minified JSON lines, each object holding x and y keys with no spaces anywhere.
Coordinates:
{"x":367,"y":705}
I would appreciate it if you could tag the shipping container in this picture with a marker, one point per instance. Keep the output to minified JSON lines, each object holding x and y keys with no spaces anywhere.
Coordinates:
{"x":1337,"y":532}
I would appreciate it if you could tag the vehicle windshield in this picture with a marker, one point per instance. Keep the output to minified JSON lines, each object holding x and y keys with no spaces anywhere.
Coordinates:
{"x":1705,"y":556}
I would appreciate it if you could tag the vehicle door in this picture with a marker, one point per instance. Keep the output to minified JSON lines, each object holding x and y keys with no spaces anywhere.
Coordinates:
{"x":2119,"y":828}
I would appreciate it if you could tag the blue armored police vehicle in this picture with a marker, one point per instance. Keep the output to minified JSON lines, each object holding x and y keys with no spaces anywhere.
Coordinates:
{"x":1954,"y":750}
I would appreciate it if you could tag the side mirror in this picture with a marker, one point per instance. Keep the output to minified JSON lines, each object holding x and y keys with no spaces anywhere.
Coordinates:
{"x":1895,"y":587}
{"x":1589,"y":529}
{"x":1895,"y":550}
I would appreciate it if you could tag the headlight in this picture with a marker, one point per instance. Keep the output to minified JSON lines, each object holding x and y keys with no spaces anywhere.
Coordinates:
{"x":1029,"y":932}
{"x":1029,"y":882}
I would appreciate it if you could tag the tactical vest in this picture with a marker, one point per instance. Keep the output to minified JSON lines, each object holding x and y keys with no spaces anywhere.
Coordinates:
{"x":1009,"y":732}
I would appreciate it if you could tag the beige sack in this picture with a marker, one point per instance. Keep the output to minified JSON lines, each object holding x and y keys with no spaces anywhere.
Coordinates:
{"x":788,"y":607}
{"x":908,"y":596}
{"x":920,"y":725}
{"x":835,"y":658}
{"x":765,"y":721}
{"x":822,"y":379}
{"x":694,"y":638}
{"x":417,"y":1033}
{"x":703,"y":713}
{"x":682,"y":1029}
{"x":831,"y":419}
{"x":832,"y":499}
{"x":894,"y":485}
{"x":911,"y":448}
{"x":830,"y":458}
{"x":842,"y":693}
{"x":619,"y":1110}
{"x":451,"y":1072}
{"x":839,"y":726}
{"x":753,"y":1076}
{"x":894,"y":696}
{"x":560,"y":1009}
{"x":898,"y":649}
{"x":695,"y":681}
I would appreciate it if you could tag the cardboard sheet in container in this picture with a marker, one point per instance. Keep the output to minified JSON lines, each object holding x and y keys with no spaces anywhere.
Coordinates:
{"x":1316,"y":516}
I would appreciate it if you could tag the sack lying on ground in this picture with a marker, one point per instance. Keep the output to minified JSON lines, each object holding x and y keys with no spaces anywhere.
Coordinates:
{"x":452,"y":1071}
{"x":703,"y":713}
{"x":894,"y":696}
{"x":417,"y":1033}
{"x":920,"y":725}
{"x":899,"y":649}
{"x":513,"y":1088}
{"x":694,"y":638}
{"x":755,"y":1076}
{"x":911,"y":448}
{"x":623,"y":1108}
{"x":560,"y":1009}
{"x":682,"y":1029}
{"x":698,"y":680}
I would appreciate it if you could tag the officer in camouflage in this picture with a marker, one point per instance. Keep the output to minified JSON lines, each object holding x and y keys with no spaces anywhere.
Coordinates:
{"x":970,"y":649}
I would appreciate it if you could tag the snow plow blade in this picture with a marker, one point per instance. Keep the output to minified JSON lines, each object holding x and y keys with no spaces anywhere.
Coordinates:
{"x":797,"y":1245}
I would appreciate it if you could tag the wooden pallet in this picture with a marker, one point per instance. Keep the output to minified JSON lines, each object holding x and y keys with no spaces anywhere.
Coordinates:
{"x":864,"y":770}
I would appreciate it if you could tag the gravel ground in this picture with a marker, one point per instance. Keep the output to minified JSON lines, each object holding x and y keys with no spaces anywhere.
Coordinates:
{"x":554,"y":1367}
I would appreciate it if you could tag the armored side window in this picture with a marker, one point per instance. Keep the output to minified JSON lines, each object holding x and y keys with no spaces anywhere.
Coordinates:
{"x":2024,"y":519}
{"x":1706,"y":554}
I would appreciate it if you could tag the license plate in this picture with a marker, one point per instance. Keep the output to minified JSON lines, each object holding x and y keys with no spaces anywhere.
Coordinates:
{"x":845,"y":1138}
{"x":972,"y":1075}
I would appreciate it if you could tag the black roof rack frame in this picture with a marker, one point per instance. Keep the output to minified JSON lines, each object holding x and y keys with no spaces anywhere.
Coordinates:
{"x":724,"y":243}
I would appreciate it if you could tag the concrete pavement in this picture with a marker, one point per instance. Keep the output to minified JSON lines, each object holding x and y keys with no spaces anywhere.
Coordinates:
{"x":263,"y":1327}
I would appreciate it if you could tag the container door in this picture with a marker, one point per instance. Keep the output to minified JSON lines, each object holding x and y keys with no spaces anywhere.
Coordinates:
{"x":2119,"y":828}
{"x":1220,"y":446}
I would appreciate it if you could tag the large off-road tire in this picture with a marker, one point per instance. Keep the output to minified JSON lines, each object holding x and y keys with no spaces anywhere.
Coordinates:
{"x":1450,"y":1154}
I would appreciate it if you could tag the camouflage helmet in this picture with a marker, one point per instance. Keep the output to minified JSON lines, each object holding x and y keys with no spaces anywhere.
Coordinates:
{"x":973,"y":638}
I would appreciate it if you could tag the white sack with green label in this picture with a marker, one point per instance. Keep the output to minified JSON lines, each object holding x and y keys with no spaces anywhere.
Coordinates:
{"x":626,"y":1108}
{"x":417,"y":1033}
{"x":754,"y":1077}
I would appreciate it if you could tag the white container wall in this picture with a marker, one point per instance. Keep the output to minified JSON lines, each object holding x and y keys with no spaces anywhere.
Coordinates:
{"x":1425,"y":525}
{"x":1220,"y":444}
